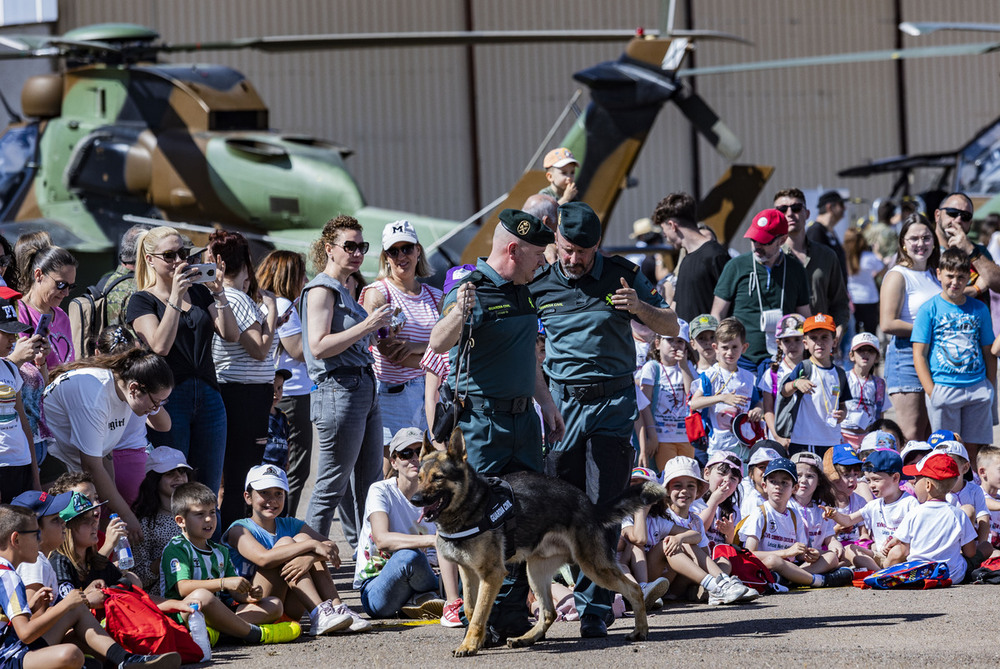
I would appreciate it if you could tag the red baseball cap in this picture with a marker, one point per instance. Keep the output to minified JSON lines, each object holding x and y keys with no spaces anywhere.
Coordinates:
{"x":766,"y":226}
{"x":819,"y":322}
{"x":936,"y":466}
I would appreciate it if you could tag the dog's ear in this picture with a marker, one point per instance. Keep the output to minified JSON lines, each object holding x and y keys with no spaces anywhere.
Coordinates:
{"x":456,"y":446}
{"x":426,"y":448}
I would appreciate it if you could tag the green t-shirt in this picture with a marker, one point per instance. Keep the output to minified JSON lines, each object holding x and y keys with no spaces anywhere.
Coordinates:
{"x":183,"y":561}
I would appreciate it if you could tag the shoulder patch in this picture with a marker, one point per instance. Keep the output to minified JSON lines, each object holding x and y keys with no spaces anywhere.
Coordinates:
{"x":447,"y":309}
{"x":175,"y":566}
{"x":621,"y":261}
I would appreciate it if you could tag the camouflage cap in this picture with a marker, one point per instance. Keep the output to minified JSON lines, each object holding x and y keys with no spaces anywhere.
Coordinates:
{"x":579,"y":224}
{"x":526,"y":227}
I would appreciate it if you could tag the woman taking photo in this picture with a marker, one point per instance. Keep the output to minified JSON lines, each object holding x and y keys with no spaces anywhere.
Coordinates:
{"x":397,"y":355}
{"x":245,"y":368}
{"x":337,"y":331}
{"x":177,"y":318}
{"x":88,"y":406}
{"x":284,"y":274}
{"x":51,"y":275}
{"x":905,"y":287}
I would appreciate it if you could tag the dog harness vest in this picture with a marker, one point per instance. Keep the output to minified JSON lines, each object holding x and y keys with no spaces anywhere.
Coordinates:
{"x":499,"y":510}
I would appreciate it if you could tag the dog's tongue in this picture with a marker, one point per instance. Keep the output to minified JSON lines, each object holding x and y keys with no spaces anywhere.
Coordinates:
{"x":420,"y":519}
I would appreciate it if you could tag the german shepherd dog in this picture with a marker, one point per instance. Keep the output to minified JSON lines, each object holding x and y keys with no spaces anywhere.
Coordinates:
{"x":554,"y":523}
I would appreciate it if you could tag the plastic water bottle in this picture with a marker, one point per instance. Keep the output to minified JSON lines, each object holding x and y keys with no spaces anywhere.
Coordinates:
{"x":123,"y":551}
{"x":199,"y":632}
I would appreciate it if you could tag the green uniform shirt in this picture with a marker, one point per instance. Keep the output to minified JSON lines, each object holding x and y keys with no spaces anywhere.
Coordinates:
{"x":734,"y":287}
{"x":183,"y":561}
{"x":502,"y":360}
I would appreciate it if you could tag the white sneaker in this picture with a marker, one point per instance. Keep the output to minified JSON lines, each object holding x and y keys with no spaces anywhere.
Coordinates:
{"x":328,"y":620}
{"x":726,"y":592}
{"x":652,"y":591}
{"x":358,"y":624}
{"x":751,"y":593}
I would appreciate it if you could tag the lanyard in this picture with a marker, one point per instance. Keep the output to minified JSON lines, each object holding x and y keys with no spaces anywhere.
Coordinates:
{"x":755,"y":282}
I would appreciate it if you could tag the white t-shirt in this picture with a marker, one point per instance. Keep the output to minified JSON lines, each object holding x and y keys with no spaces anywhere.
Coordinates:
{"x":861,"y":286}
{"x":810,"y":423}
{"x":40,"y":571}
{"x":774,"y":531}
{"x":671,"y":400}
{"x":818,"y":528}
{"x":884,"y":519}
{"x":750,"y":499}
{"x":972,"y":495}
{"x":865,"y":405}
{"x":134,"y":436}
{"x":657,"y":528}
{"x":13,"y":444}
{"x":714,"y":536}
{"x":936,"y":531}
{"x":740,"y":382}
{"x":85,"y":414}
{"x":692,"y":522}
{"x":386,"y":497}
{"x":994,"y":521}
{"x":300,"y":383}
{"x":855,"y":503}
{"x":232,"y":362}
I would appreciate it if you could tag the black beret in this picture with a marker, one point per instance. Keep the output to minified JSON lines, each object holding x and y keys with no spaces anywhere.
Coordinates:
{"x":526,"y":227}
{"x":579,"y":224}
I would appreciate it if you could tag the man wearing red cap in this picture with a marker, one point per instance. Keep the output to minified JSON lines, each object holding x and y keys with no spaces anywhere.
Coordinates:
{"x":762,"y":285}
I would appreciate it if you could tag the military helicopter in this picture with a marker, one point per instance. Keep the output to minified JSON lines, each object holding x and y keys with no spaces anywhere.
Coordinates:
{"x":117,"y":137}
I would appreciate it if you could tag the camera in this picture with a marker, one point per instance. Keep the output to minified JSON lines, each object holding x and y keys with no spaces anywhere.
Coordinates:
{"x":398,"y":320}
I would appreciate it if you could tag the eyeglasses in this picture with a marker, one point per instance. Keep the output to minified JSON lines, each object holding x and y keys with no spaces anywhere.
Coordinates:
{"x":796,"y":208}
{"x":156,"y":405}
{"x":170,"y":256}
{"x":62,"y":285}
{"x":406,"y":453}
{"x":923,"y":239}
{"x":26,"y":533}
{"x":405,"y":249}
{"x":966,"y":216}
{"x":353,"y":247}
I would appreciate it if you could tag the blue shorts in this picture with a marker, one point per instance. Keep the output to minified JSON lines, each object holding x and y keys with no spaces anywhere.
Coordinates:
{"x":900,"y":376}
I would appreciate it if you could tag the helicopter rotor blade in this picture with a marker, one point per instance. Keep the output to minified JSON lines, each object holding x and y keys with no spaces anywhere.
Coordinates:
{"x":917,"y":28}
{"x":859,"y":57}
{"x":709,"y":35}
{"x":708,"y":123}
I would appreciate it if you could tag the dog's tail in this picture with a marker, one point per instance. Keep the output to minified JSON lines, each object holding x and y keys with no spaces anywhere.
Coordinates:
{"x":631,"y":500}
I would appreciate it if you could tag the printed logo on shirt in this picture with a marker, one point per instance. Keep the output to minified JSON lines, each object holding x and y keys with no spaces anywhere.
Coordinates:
{"x":115,"y":424}
{"x":175,"y":566}
{"x":65,"y":589}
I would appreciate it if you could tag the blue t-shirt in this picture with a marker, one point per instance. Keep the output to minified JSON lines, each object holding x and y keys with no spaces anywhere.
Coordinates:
{"x":285,"y":527}
{"x":954,"y":335}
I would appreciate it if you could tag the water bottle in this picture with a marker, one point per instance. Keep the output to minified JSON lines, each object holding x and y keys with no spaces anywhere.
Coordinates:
{"x":199,"y":632}
{"x":123,"y":551}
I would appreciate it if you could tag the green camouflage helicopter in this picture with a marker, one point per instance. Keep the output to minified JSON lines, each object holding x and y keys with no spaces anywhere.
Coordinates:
{"x":117,"y":137}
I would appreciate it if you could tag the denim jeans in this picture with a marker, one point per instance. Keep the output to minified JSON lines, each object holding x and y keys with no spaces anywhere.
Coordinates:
{"x":405,"y":574}
{"x":198,"y":428}
{"x":346,"y":414}
{"x":403,"y":409}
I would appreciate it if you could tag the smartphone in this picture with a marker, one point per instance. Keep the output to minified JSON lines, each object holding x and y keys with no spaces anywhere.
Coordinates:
{"x":206,"y":272}
{"x":43,"y":325}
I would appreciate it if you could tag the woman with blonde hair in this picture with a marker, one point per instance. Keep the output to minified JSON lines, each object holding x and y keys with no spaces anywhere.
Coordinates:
{"x":176,"y":318}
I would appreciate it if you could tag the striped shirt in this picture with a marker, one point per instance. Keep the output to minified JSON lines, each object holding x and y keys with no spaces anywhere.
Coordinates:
{"x":13,"y":603}
{"x":183,"y":561}
{"x":421,"y":311}
{"x":232,"y":362}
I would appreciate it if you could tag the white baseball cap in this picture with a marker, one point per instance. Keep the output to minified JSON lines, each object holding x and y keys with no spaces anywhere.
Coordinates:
{"x":164,"y":459}
{"x":398,"y":231}
{"x":864,"y":339}
{"x":952,"y":447}
{"x":263,"y":477}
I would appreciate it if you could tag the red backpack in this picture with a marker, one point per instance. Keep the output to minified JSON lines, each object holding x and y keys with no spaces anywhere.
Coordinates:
{"x":134,"y":621}
{"x":747,"y":567}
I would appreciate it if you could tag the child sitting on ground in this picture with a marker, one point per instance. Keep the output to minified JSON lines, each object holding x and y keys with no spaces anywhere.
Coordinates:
{"x":969,"y":497}
{"x":166,"y":470}
{"x":193,"y":564}
{"x":867,"y":389}
{"x":813,"y":490}
{"x":83,"y":483}
{"x":287,"y":558}
{"x":935,"y":530}
{"x":883,"y":514}
{"x":988,"y":466}
{"x":40,"y":574}
{"x":752,"y":487}
{"x":31,"y":637}
{"x":843,"y":467}
{"x":777,"y":536}
{"x":719,"y":508}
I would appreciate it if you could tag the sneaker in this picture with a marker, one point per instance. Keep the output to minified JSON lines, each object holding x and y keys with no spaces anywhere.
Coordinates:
{"x":751,"y":593}
{"x":279,"y":632}
{"x":328,"y":621}
{"x":839,"y":577}
{"x":450,"y":617}
{"x":726,"y":592}
{"x":165,"y":661}
{"x":425,"y":606}
{"x":652,"y":591}
{"x":358,"y":624}
{"x":213,"y":636}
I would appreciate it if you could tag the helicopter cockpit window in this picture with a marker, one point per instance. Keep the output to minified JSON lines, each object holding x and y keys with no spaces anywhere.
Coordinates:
{"x":244,"y":119}
{"x":17,"y":146}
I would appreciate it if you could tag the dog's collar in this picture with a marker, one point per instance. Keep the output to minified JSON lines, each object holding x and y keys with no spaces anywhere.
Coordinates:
{"x":499,"y":510}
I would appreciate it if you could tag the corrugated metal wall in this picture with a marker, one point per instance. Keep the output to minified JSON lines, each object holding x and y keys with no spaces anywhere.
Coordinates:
{"x":408,"y":112}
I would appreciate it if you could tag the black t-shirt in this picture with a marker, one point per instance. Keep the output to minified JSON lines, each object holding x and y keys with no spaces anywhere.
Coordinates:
{"x":191,"y":354}
{"x":69,"y":579}
{"x":699,"y":272}
{"x":820,"y":235}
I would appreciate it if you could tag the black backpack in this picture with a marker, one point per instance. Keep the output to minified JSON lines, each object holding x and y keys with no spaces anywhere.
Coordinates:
{"x":88,"y":314}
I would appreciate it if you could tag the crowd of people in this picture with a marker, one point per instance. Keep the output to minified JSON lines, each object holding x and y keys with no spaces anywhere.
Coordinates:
{"x":748,"y":386}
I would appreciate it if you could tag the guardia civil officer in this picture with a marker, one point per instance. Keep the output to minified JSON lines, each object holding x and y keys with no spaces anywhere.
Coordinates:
{"x":501,"y":428}
{"x":586,"y":302}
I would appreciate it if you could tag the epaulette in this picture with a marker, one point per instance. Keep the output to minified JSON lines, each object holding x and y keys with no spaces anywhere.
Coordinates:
{"x":622,"y":261}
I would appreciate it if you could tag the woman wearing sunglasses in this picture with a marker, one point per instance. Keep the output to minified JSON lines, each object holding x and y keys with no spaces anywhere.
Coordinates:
{"x":50,"y":276}
{"x":336,"y":333}
{"x":398,"y":353}
{"x":177,"y":319}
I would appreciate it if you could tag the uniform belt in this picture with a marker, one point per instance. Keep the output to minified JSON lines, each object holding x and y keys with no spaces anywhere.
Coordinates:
{"x":588,"y":392}
{"x":512,"y":406}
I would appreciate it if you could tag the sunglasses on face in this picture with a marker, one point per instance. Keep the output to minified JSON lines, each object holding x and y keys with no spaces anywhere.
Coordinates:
{"x":354,"y":247}
{"x":405,"y":249}
{"x":406,"y":453}
{"x":170,"y":256}
{"x":966,"y":216}
{"x":62,"y":285}
{"x":796,"y":208}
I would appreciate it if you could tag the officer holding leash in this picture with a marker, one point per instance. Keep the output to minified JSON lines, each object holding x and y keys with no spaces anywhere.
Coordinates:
{"x":586,"y":302}
{"x":501,"y":374}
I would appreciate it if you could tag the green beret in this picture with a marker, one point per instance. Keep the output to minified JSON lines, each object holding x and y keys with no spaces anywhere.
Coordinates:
{"x":526,"y":227}
{"x":579,"y":224}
